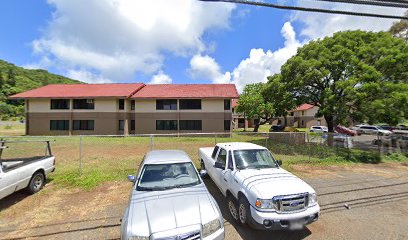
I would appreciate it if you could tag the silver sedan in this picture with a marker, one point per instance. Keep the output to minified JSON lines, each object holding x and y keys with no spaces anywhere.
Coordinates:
{"x":170,"y":201}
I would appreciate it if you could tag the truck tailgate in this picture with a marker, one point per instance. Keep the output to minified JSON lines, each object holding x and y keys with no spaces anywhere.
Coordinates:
{"x":206,"y":152}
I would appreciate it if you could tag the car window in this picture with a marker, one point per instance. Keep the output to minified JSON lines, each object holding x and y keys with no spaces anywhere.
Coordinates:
{"x":158,"y":177}
{"x":222,"y":156}
{"x":230,"y":163}
{"x":214,"y":153}
{"x":254,"y":158}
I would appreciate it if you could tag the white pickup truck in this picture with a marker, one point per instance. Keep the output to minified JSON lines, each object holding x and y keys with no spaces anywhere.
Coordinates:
{"x":24,"y":173}
{"x":259,"y":192}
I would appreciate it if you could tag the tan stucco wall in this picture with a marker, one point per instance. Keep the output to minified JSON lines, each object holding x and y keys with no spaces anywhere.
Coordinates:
{"x":207,"y":105}
{"x":101,"y":105}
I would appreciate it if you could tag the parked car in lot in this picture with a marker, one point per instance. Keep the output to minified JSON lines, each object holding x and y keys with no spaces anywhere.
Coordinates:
{"x":319,"y":129}
{"x":170,"y":201}
{"x":28,"y":173}
{"x":373,"y":130}
{"x":259,"y":192}
{"x":346,"y":131}
{"x":277,"y":128}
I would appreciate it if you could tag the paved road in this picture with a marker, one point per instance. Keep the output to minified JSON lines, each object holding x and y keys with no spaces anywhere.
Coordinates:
{"x":378,"y":197}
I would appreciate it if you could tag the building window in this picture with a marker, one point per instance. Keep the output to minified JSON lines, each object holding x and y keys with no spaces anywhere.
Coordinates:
{"x":132,"y":125}
{"x":166,"y":104}
{"x":121,"y":103}
{"x":59,"y":103}
{"x":121,"y":125}
{"x":84,"y":104}
{"x":60,"y":125}
{"x":132,"y":105}
{"x":227,"y":125}
{"x":191,"y":125}
{"x":166,"y":125}
{"x":227,"y":104}
{"x":303,"y":113}
{"x":83,"y":124}
{"x":190,"y":103}
{"x":292,"y":114}
{"x":303,"y":123}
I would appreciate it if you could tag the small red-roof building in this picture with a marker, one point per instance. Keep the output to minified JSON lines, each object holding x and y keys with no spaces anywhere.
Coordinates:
{"x":135,"y":108}
{"x":303,"y":116}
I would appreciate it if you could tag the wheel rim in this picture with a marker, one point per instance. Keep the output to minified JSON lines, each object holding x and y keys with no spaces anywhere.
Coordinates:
{"x":233,"y":210}
{"x":37,"y":182}
{"x":242,"y":213}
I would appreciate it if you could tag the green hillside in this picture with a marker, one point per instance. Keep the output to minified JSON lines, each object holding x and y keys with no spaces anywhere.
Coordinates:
{"x":14,"y":79}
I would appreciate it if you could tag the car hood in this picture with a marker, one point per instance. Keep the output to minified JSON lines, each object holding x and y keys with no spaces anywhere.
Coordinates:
{"x":153,"y":212}
{"x":267,"y":183}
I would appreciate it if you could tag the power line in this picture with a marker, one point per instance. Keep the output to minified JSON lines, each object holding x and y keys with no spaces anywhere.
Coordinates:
{"x":305,"y":9}
{"x":373,"y":3}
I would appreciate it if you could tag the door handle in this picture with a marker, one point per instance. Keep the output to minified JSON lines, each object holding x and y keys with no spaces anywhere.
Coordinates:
{"x":235,"y":180}
{"x":225,"y":180}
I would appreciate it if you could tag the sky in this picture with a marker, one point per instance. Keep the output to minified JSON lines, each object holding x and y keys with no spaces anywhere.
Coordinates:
{"x":166,"y":41}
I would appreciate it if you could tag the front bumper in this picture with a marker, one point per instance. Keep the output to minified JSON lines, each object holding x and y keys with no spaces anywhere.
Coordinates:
{"x":279,"y":221}
{"x":218,"y":235}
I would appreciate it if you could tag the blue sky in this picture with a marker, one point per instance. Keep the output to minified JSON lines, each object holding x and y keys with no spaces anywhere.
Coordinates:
{"x":184,"y":41}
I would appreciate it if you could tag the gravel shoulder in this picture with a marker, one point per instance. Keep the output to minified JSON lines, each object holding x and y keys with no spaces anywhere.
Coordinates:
{"x":377,"y":196}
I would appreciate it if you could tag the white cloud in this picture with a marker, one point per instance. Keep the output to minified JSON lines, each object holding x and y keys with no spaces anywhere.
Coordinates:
{"x":317,"y":25}
{"x":161,"y":78}
{"x":205,"y":67}
{"x":256,"y":68}
{"x":86,"y":76}
{"x":120,"y":37}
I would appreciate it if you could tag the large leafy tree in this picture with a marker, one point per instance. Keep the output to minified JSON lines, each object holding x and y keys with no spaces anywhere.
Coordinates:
{"x":400,"y":29}
{"x":253,"y":104}
{"x":351,"y":76}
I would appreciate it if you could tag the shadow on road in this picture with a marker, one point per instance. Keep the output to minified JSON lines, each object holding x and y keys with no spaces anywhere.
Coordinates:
{"x":247,"y":233}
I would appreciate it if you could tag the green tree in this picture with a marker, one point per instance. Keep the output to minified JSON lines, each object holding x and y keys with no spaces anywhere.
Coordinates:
{"x":253,"y":104}
{"x":275,"y":93}
{"x":400,"y":29}
{"x":351,"y":76}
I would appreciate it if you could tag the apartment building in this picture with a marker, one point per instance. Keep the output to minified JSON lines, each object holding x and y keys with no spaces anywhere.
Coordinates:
{"x":304,"y":116}
{"x":112,"y":109}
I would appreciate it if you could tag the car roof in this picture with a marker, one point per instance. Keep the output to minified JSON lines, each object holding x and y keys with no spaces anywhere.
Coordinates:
{"x":239,"y":146}
{"x":166,"y":156}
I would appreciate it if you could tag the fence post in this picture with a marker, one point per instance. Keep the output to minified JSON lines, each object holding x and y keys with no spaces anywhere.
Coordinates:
{"x":80,"y":155}
{"x":151,"y":143}
{"x":215,"y":138}
{"x":266,"y":140}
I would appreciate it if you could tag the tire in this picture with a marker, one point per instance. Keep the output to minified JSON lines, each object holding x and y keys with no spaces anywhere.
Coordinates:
{"x":36,"y":183}
{"x":232,"y":208}
{"x":244,"y":211}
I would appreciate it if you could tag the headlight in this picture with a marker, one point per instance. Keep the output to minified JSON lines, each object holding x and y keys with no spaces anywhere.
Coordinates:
{"x":266,"y":204}
{"x":211,"y":227}
{"x":312,"y":199}
{"x":138,"y":238}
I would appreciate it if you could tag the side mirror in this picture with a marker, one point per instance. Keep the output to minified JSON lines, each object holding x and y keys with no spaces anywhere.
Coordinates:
{"x":279,"y":162}
{"x":132,"y":178}
{"x":219,"y":165}
{"x":203,"y":173}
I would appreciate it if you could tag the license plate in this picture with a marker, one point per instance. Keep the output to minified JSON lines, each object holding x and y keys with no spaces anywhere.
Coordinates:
{"x":296,"y":224}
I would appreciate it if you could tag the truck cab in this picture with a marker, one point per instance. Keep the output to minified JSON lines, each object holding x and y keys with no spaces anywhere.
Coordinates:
{"x":259,"y":192}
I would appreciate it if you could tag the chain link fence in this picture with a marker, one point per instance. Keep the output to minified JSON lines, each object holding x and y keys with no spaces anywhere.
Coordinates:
{"x":104,"y":158}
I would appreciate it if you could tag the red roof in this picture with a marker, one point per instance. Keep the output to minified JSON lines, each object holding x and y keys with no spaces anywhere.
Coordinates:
{"x":81,"y":90}
{"x":234,"y":103}
{"x":188,"y":91}
{"x":303,"y":107}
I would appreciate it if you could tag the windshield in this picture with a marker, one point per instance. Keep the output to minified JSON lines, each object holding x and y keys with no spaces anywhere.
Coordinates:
{"x":255,"y":158}
{"x":157,"y":177}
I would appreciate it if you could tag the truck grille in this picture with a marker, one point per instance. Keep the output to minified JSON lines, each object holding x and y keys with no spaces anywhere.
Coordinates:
{"x":291,"y":203}
{"x":185,"y":236}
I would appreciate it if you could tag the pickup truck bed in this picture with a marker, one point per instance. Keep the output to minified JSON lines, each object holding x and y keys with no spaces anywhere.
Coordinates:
{"x":13,"y":163}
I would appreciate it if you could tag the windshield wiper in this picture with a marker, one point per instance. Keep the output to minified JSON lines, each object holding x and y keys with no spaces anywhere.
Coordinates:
{"x":187,"y":185}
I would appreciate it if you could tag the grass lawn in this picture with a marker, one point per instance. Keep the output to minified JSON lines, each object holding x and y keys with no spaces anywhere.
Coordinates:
{"x":12,"y":130}
{"x":106,"y":159}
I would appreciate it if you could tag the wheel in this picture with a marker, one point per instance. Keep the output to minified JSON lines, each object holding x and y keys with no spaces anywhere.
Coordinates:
{"x":232,"y":207}
{"x":244,"y":211}
{"x":36,"y":182}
